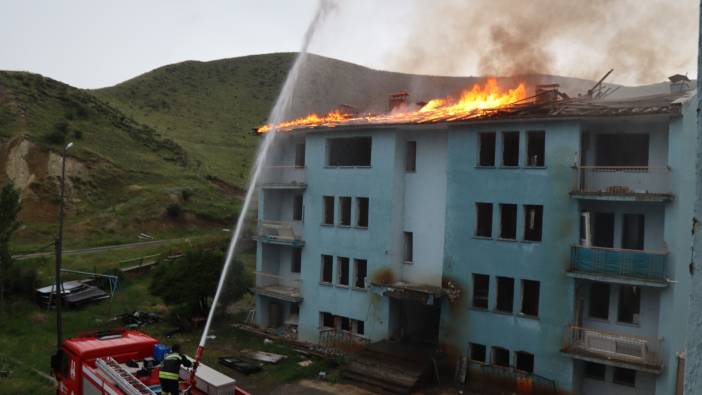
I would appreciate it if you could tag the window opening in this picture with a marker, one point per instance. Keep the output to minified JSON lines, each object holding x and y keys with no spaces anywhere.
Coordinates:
{"x":328,"y":210}
{"x":360,"y":273}
{"x":484,"y":222}
{"x":530,"y":297}
{"x":508,"y":221}
{"x":536,"y":148}
{"x":362,"y":212}
{"x":345,"y":211}
{"x":599,"y":301}
{"x":487,"y":149}
{"x":411,"y":164}
{"x":481,"y":290}
{"x":505,"y":294}
{"x":533,"y":222}
{"x":327,"y":268}
{"x":510,"y":149}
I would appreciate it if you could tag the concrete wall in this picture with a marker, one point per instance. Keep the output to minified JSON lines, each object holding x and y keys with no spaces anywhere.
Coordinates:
{"x":375,"y":244}
{"x":425,"y":206}
{"x":543,"y":261}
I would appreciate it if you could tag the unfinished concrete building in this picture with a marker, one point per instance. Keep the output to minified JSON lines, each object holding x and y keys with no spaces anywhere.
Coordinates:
{"x":548,"y":243}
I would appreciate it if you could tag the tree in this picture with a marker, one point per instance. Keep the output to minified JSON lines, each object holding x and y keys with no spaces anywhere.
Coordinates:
{"x":189,"y":284}
{"x":9,"y":208}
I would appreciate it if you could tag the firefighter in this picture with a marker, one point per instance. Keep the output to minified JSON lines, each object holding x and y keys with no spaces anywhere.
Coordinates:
{"x":170,"y":370}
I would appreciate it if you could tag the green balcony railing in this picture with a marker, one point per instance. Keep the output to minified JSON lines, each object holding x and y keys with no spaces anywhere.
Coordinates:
{"x":646,"y":265}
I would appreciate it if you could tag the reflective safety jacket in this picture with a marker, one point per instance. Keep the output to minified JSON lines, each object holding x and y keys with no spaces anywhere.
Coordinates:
{"x":170,"y":367}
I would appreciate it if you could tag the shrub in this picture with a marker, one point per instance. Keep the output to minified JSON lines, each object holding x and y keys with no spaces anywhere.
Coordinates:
{"x":186,"y":194}
{"x":173,"y":210}
{"x":77,"y":134}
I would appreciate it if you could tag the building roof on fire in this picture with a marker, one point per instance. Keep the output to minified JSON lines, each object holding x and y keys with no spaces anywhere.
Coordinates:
{"x":566,"y":108}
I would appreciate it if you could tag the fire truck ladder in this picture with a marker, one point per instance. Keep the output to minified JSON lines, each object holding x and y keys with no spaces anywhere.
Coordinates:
{"x":124,"y":380}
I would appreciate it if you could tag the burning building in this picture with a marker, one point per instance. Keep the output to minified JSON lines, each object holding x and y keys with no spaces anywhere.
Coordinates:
{"x":542,"y":240}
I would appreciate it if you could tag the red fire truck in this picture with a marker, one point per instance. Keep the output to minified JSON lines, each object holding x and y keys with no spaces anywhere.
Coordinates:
{"x":124,"y":362}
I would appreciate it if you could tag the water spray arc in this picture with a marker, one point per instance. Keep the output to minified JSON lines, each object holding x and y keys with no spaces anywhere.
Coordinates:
{"x":277,"y":115}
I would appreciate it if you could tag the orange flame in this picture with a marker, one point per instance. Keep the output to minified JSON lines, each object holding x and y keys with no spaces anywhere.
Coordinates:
{"x":473,"y":103}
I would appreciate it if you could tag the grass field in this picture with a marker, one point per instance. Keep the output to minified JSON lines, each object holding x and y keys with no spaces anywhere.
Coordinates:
{"x":28,"y":337}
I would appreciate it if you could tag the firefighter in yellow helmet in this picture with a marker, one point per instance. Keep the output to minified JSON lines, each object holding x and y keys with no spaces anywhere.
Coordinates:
{"x":170,"y":370}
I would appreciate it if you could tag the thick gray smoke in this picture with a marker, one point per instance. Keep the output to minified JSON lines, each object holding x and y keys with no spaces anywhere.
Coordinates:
{"x":645,"y":40}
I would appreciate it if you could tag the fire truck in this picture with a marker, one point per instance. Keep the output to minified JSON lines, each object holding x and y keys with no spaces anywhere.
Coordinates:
{"x":125,"y":362}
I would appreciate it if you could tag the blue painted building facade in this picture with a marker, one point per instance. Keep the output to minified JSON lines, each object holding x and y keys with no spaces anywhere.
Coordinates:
{"x":557,"y":247}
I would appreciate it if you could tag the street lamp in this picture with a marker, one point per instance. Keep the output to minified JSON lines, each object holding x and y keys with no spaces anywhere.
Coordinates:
{"x":58,"y":288}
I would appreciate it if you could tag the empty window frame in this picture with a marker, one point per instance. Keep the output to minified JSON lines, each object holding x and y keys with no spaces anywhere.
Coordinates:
{"x":328,"y":214}
{"x":411,"y":157}
{"x":533,"y":222}
{"x":481,"y":290}
{"x":500,"y":356}
{"x":326,"y":320}
{"x":595,"y":371}
{"x":344,"y":211}
{"x":629,"y":304}
{"x":408,"y":247}
{"x":530,"y":297}
{"x":599,"y":300}
{"x":536,"y":149}
{"x":508,"y":221}
{"x":486,"y":156}
{"x":483,"y":224}
{"x":624,"y":376}
{"x":354,"y":151}
{"x":633,"y":231}
{"x":360,"y":327}
{"x":505,"y":294}
{"x":343,"y":271}
{"x":345,"y":324}
{"x":478,"y":352}
{"x":300,"y":155}
{"x":297,"y":208}
{"x":362,"y":212}
{"x":360,"y":273}
{"x":327,"y":269}
{"x":510,"y":149}
{"x":524,"y":361}
{"x":296,"y":265}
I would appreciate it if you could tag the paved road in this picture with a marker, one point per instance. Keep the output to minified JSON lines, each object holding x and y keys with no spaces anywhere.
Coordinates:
{"x":92,"y":250}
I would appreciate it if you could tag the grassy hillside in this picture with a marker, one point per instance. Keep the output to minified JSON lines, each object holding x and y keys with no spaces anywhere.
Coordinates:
{"x":121,"y":174}
{"x":209,"y":108}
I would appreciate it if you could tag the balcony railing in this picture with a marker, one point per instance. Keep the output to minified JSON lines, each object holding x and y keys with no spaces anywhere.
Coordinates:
{"x":593,"y":343}
{"x":283,"y":232}
{"x":345,"y":340}
{"x":283,"y":176}
{"x":622,"y":180}
{"x":646,"y":265}
{"x":272,"y":285}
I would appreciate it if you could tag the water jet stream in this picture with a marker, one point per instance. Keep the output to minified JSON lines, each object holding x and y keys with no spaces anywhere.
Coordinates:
{"x":278,"y":114}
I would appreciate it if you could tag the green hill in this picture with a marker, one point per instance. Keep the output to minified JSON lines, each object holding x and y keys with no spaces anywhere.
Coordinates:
{"x":121,"y":175}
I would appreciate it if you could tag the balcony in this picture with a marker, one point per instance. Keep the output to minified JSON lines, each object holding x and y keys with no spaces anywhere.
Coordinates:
{"x":629,"y":183}
{"x":274,"y":286}
{"x":631,"y":352}
{"x":283,"y":233}
{"x":633,"y":267}
{"x":283,"y":177}
{"x":345,"y":340}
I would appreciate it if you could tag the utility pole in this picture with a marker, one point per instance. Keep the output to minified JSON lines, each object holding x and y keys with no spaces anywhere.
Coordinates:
{"x":58,"y":288}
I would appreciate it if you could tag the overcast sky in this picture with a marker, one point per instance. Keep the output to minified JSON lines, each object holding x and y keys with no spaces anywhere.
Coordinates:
{"x":91,"y":44}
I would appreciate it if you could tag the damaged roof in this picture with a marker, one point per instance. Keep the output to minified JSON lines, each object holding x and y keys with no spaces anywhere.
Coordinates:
{"x":568,"y":108}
